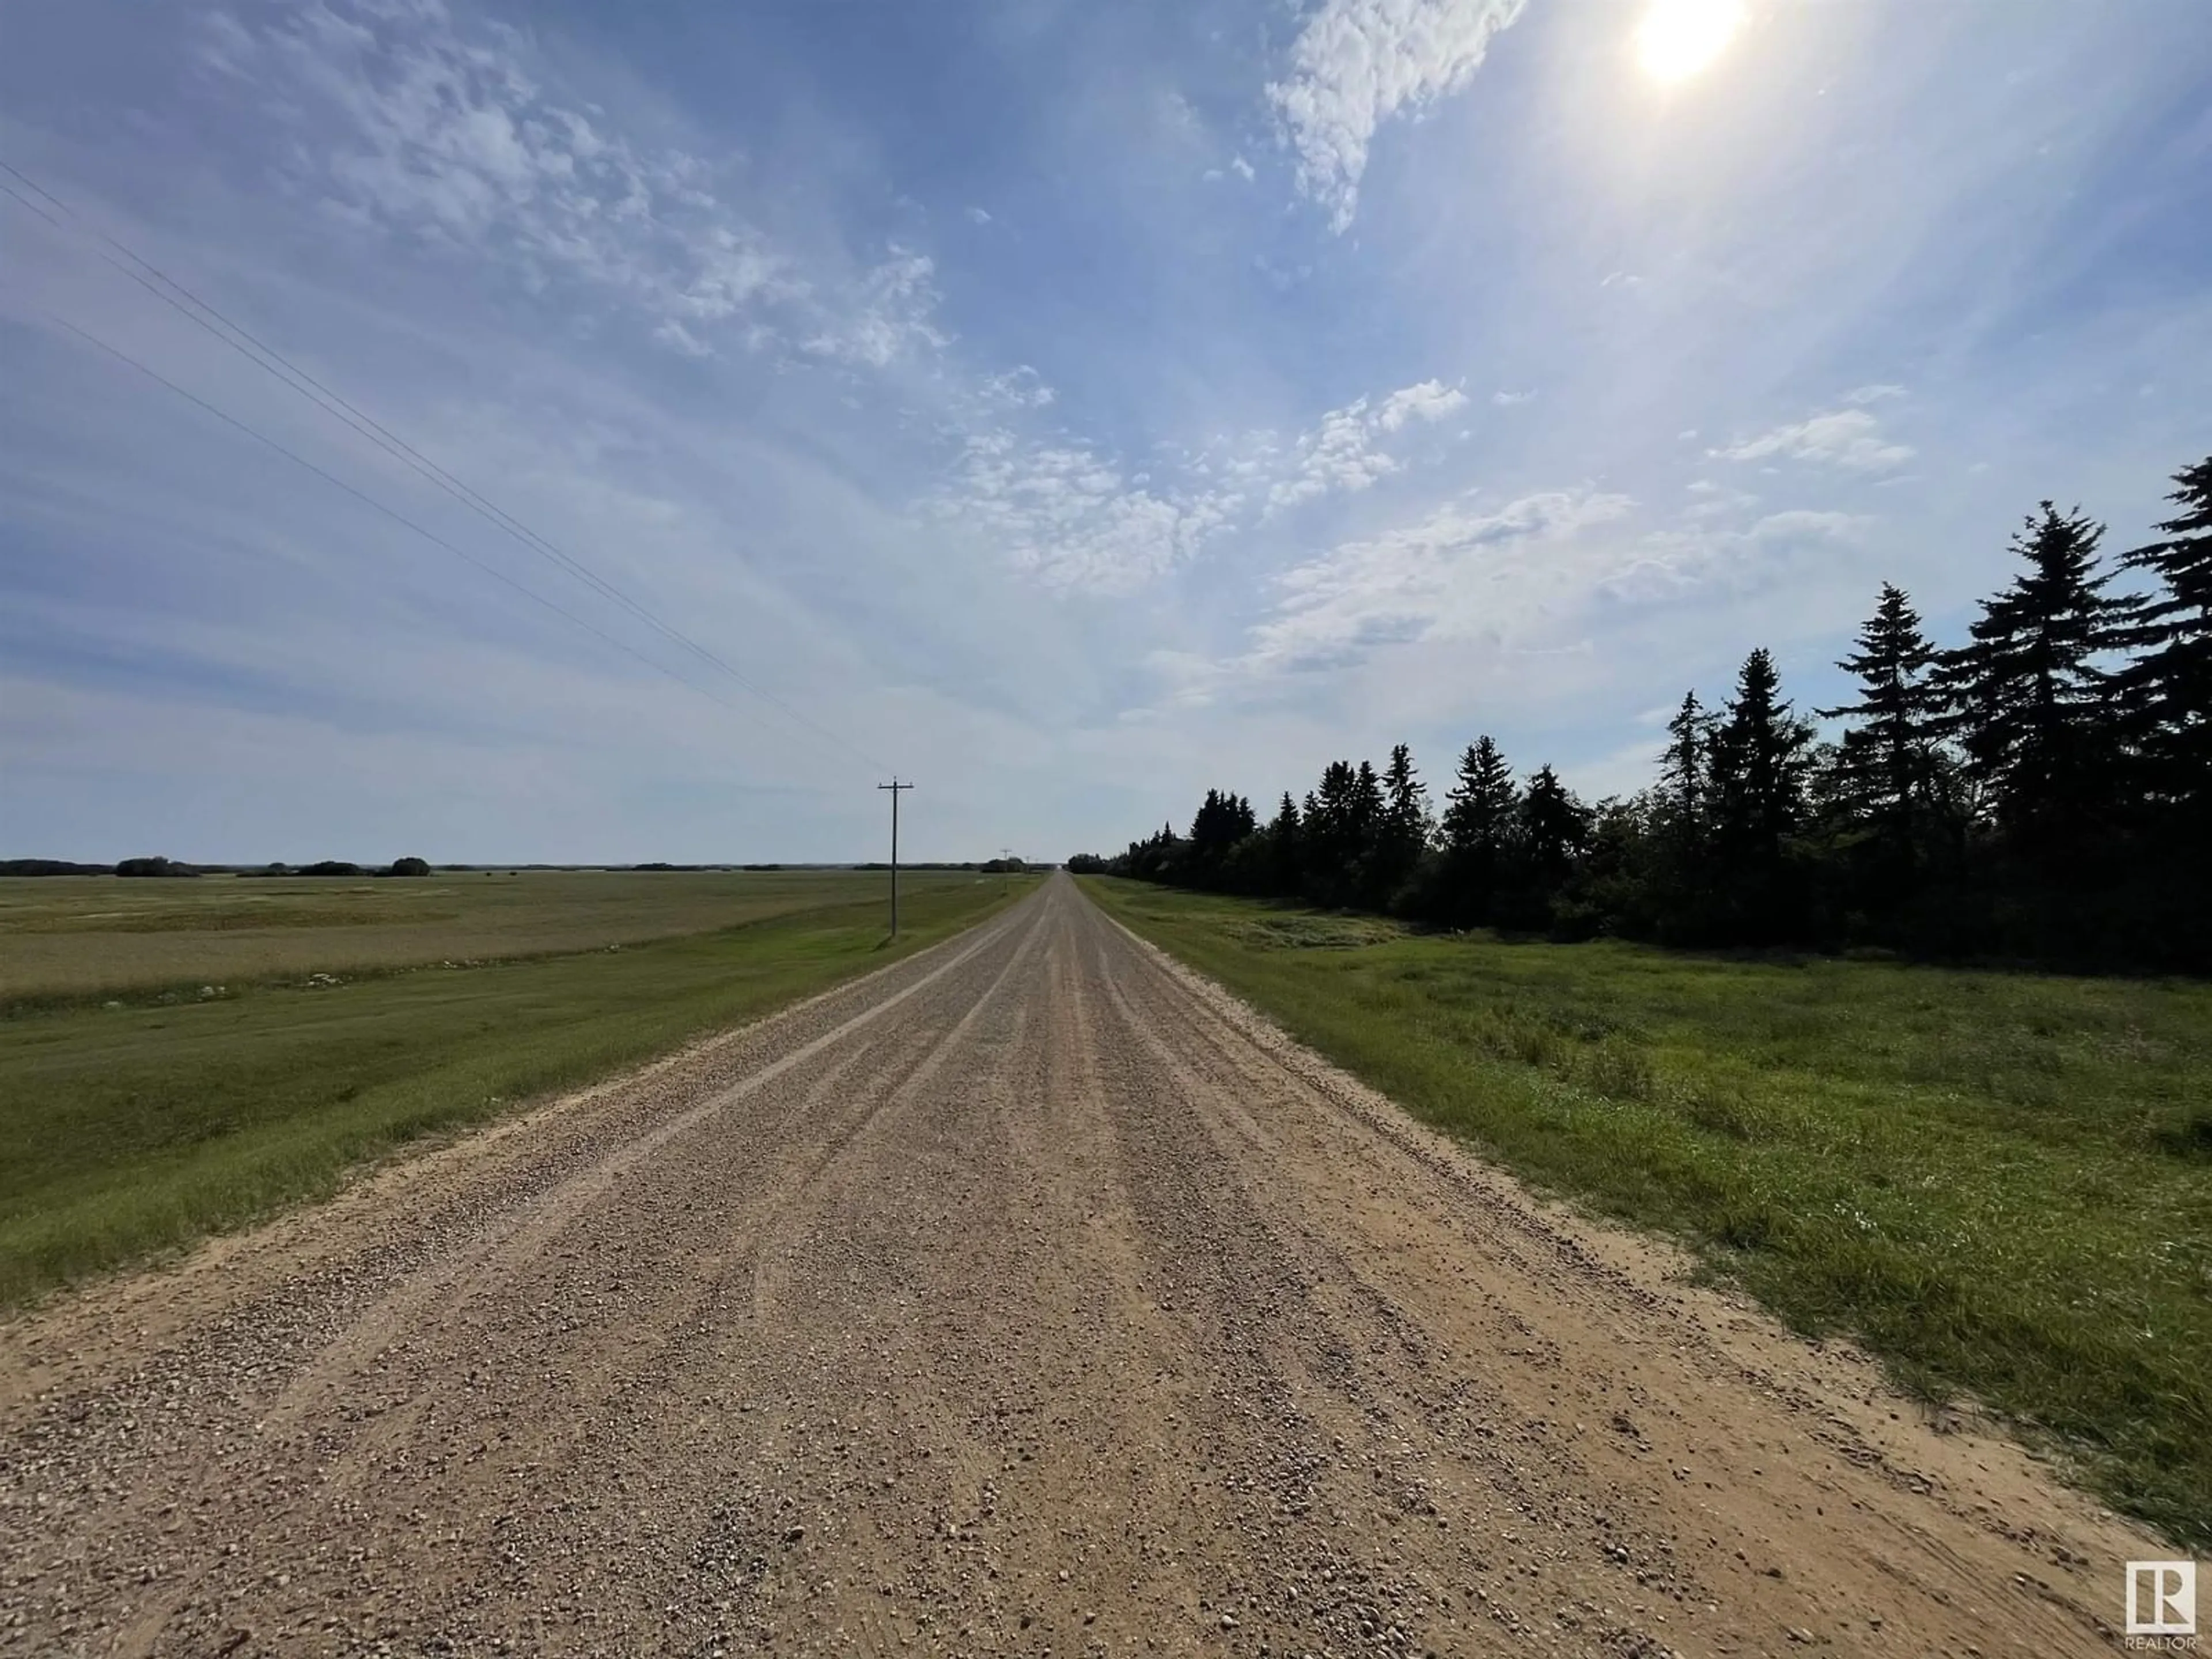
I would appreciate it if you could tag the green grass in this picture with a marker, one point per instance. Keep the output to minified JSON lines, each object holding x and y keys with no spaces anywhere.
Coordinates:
{"x":2000,"y":1182}
{"x":129,"y":1129}
{"x":84,"y":936}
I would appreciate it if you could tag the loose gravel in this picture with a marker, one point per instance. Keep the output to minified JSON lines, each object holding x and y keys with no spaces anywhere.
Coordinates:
{"x":1029,"y":1296}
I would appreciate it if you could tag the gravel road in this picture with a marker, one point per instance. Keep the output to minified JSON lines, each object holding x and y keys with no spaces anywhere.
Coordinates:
{"x":1029,"y":1296}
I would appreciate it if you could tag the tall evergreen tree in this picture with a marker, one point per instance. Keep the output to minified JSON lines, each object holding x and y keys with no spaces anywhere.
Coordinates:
{"x":1337,"y":819}
{"x":1403,"y":834}
{"x":1477,"y":832}
{"x":1758,"y":766}
{"x":2071,"y":731}
{"x":2168,"y":688}
{"x":2031,"y":694}
{"x":1285,"y":856}
{"x":1685,"y":769}
{"x":1554,"y":829}
{"x":1885,"y":764}
{"x":1367,"y":805}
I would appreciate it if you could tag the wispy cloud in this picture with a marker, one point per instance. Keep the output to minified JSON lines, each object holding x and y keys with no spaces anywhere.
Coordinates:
{"x":1702,"y":548}
{"x":1427,"y":400}
{"x":1072,"y":519}
{"x":1848,"y":438}
{"x":1453,"y":568}
{"x":1343,"y":453}
{"x":411,"y":126}
{"x":1358,"y":63}
{"x":888,"y":315}
{"x":1059,"y":509}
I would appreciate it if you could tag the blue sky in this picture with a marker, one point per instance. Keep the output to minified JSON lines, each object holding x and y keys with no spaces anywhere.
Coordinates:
{"x":1072,"y":406}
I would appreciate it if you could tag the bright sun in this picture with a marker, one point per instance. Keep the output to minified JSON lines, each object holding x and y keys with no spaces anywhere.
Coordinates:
{"x":1678,"y":38}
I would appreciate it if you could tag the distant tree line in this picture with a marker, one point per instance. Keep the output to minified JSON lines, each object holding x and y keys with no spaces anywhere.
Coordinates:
{"x":164,"y":867}
{"x":2041,"y":788}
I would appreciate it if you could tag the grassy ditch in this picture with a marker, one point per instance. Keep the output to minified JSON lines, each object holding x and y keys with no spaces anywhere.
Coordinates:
{"x":132,"y":1127}
{"x":2000,"y":1182}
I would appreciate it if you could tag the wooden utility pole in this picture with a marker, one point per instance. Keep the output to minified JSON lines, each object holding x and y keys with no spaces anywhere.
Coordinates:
{"x":895,"y":787}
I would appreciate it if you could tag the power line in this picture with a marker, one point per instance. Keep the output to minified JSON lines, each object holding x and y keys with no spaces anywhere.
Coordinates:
{"x":273,"y":362}
{"x":363,"y":497}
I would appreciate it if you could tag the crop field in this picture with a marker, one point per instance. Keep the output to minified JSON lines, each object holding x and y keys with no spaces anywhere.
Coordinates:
{"x":74,"y":936}
{"x":2000,"y":1182}
{"x":341,"y":1018}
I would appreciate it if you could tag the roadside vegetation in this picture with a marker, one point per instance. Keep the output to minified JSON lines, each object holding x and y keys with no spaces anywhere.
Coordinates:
{"x":318,"y":1029}
{"x":2040,"y":791}
{"x":2000,"y":1182}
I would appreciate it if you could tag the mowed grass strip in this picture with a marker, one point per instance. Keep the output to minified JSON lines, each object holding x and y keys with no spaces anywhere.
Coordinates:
{"x":64,"y":936}
{"x":2000,"y":1182}
{"x":125,"y":1131}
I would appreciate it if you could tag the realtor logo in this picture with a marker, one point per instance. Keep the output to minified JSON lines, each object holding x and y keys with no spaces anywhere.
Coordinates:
{"x":2162,"y":1599}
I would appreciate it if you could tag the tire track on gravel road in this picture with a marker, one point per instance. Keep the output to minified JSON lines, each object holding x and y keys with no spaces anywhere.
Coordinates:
{"x":1029,"y":1295}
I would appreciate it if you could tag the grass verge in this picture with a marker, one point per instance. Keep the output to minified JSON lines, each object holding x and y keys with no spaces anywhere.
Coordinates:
{"x":2000,"y":1183}
{"x":128,"y":1130}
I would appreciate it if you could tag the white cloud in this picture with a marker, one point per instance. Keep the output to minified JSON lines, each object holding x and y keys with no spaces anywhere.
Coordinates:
{"x":1715,"y":501}
{"x":1507,"y":399}
{"x":1357,"y":63}
{"x":1453,"y":571}
{"x":407,"y":127}
{"x":675,"y":336}
{"x":1427,"y":400}
{"x":1073,"y":518}
{"x":979,"y":215}
{"x":891,"y":314}
{"x":1666,"y":562}
{"x":1848,"y":438}
{"x":1067,"y":516}
{"x":1338,"y":454}
{"x":1341,"y":455}
{"x":1018,"y":387}
{"x":1873,"y":394}
{"x":1243,"y":169}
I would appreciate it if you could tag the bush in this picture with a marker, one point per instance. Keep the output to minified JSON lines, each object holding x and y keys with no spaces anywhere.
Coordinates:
{"x":154,"y":867}
{"x":407,"y":867}
{"x":331,"y":868}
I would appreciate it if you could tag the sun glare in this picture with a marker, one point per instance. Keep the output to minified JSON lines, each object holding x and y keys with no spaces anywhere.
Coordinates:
{"x":1678,"y":38}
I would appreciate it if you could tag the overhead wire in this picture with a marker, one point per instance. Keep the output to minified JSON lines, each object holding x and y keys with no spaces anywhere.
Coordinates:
{"x":369,"y":500}
{"x":273,"y":362}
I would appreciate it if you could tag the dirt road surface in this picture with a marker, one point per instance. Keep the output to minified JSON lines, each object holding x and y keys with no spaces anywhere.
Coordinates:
{"x":1029,"y":1296}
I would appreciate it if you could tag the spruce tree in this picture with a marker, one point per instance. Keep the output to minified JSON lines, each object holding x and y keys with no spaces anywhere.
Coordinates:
{"x":2030,"y":695}
{"x":1403,"y":834}
{"x":1335,"y":833}
{"x":2168,"y":688}
{"x":1885,"y":763}
{"x":1554,"y":829}
{"x":1476,"y":832}
{"x":1285,"y":857}
{"x":1758,"y":766}
{"x":1685,"y":768}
